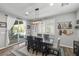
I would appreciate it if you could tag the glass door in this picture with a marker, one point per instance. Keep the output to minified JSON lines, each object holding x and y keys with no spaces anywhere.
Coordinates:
{"x":17,"y":32}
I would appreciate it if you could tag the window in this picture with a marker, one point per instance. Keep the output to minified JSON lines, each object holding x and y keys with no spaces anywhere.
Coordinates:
{"x":44,"y":27}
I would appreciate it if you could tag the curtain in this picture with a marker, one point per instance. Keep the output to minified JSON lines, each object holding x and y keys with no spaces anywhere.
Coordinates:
{"x":10,"y":23}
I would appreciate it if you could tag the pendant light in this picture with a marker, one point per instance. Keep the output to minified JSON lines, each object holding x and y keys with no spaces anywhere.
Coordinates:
{"x":36,"y":16}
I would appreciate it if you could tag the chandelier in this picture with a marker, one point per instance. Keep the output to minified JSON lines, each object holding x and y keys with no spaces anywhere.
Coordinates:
{"x":36,"y":17}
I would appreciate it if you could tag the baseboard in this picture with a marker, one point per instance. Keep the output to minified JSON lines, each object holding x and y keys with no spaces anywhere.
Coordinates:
{"x":65,"y":46}
{"x":9,"y":46}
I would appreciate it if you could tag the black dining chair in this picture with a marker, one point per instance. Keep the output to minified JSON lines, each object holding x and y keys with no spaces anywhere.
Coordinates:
{"x":45,"y":49}
{"x":38,"y":44}
{"x":34,"y":45}
{"x":30,"y":42}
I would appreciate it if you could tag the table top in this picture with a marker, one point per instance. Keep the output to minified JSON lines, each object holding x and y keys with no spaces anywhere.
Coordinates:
{"x":47,"y":42}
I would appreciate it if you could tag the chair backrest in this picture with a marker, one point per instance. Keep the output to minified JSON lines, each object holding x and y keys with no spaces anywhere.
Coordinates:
{"x":29,"y":39}
{"x":38,"y":39}
{"x":58,"y":44}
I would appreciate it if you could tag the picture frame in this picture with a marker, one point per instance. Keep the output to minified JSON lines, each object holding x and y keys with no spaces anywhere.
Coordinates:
{"x":3,"y":24}
{"x":28,"y":27}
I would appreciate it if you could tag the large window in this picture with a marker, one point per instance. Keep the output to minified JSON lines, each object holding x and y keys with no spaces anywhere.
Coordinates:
{"x":18,"y":32}
{"x":19,"y":28}
{"x":44,"y":27}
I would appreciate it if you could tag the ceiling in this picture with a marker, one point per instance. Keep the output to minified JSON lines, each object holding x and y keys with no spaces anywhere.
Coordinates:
{"x":19,"y":9}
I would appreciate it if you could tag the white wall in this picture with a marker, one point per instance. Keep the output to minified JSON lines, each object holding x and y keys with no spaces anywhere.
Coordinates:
{"x":77,"y":30}
{"x":4,"y":39}
{"x":2,"y":31}
{"x":66,"y":40}
{"x":77,"y":14}
{"x":28,"y":31}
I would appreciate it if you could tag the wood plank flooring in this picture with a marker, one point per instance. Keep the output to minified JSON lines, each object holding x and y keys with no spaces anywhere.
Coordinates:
{"x":7,"y":51}
{"x":68,"y":51}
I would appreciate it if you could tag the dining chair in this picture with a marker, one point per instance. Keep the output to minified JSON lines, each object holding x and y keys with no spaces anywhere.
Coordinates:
{"x":55,"y":50}
{"x":38,"y":44}
{"x":30,"y":42}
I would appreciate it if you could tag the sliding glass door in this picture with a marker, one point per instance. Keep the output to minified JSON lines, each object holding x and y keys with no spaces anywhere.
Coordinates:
{"x":17,"y":32}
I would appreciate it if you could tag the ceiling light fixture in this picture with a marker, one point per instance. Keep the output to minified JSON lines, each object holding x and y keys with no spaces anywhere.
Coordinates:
{"x":27,"y":13}
{"x":51,"y":4}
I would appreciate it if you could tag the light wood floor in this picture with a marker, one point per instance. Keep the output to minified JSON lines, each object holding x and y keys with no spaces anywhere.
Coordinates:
{"x":68,"y":51}
{"x":7,"y":51}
